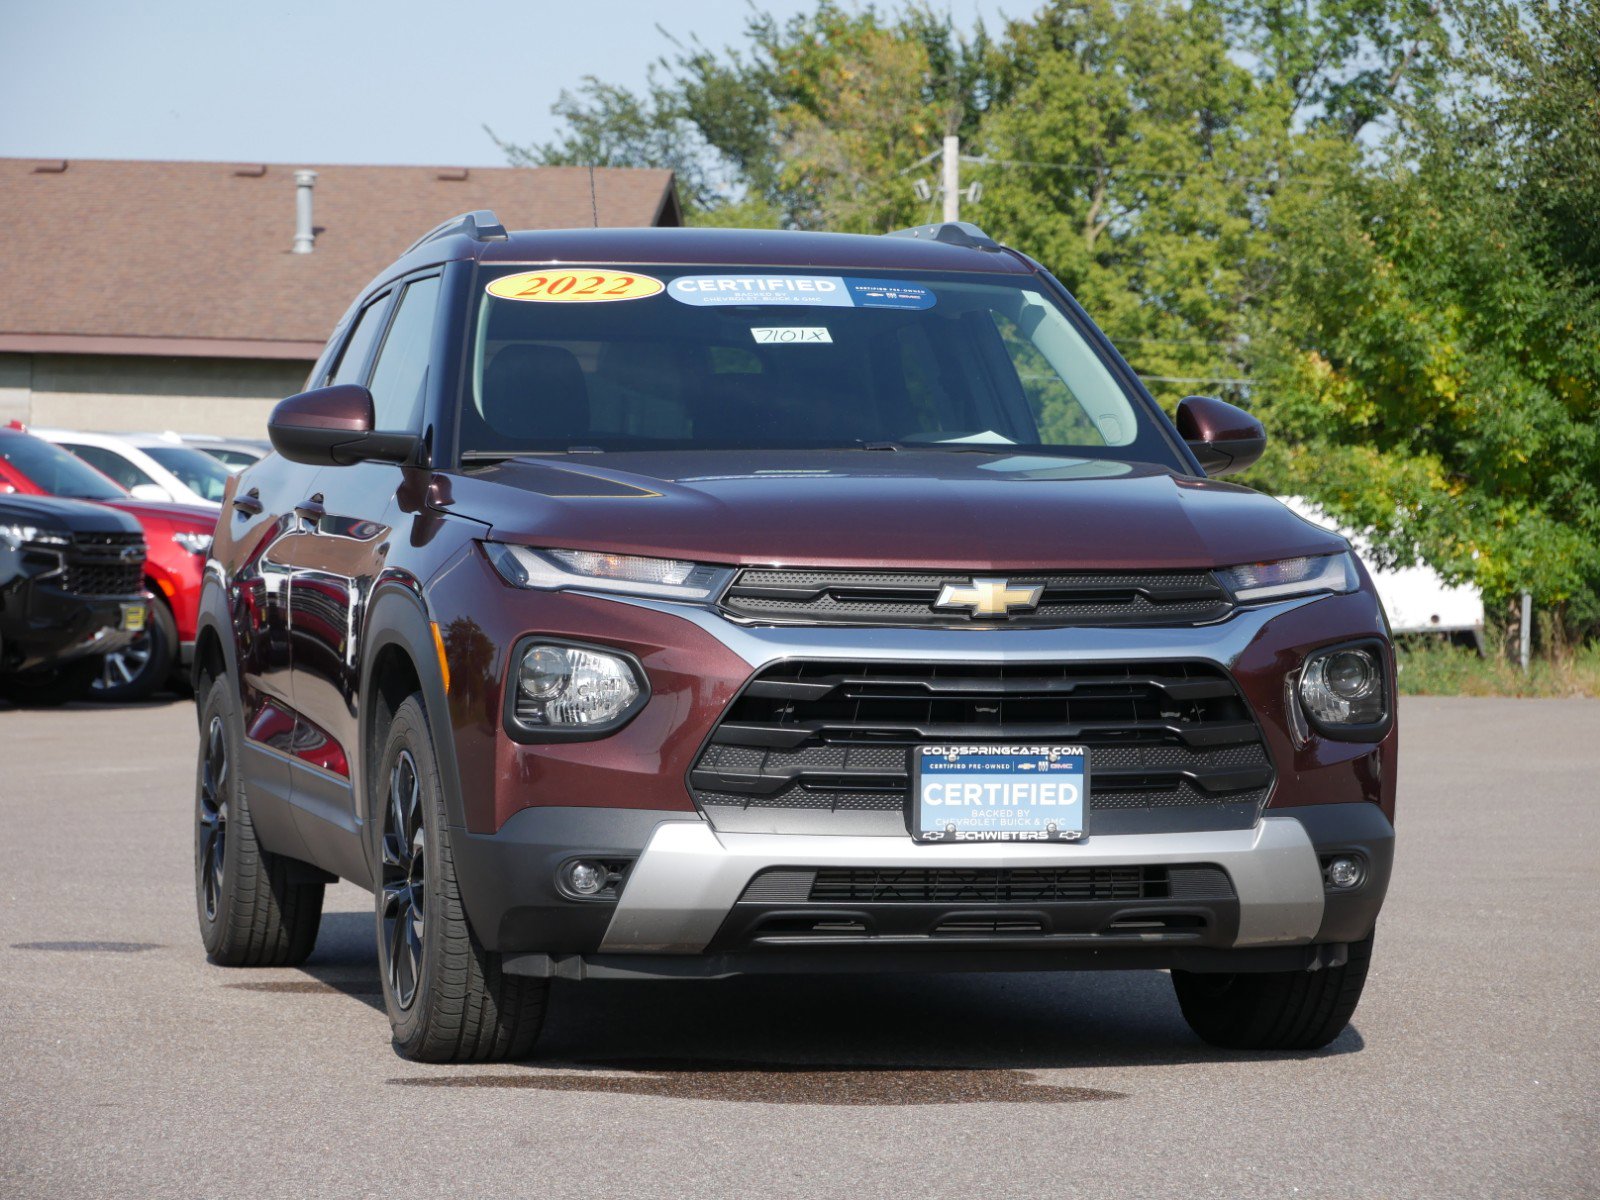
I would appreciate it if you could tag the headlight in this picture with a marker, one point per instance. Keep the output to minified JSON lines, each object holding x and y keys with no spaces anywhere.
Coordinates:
{"x":575,"y":690}
{"x":1291,"y":577}
{"x":550,"y":570}
{"x":17,"y":536}
{"x":1344,"y":689}
{"x":194,"y":543}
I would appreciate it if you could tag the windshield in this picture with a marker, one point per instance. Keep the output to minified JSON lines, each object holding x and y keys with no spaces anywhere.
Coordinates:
{"x":198,"y":472}
{"x":705,"y":358}
{"x":57,"y":471}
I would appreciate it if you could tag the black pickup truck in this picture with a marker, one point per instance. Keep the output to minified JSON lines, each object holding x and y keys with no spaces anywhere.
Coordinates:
{"x":71,"y":590}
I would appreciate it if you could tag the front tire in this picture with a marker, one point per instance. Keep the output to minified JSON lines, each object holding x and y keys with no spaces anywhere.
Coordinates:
{"x":255,"y":910}
{"x":142,"y":666}
{"x":448,"y":998}
{"x":1274,"y":1010}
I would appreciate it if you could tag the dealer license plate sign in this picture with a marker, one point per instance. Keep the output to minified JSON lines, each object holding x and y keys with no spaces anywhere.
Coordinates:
{"x":985,"y":793}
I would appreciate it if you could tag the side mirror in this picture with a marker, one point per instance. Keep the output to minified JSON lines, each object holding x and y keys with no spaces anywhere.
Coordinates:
{"x":1222,"y":436}
{"x":150,"y":491}
{"x":332,"y":427}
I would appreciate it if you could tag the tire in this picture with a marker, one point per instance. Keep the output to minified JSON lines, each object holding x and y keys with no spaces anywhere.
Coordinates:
{"x":448,"y":998}
{"x":1278,"y":1010}
{"x":255,"y":910}
{"x":138,"y":669}
{"x":51,"y":687}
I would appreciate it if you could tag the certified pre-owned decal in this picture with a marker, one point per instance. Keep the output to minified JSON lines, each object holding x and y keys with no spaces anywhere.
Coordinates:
{"x":803,"y":291}
{"x":575,"y":285}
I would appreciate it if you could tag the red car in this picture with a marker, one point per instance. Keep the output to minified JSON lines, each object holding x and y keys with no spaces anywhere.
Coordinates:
{"x":179,"y":538}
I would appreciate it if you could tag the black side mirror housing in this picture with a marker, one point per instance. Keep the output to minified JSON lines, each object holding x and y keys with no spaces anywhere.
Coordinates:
{"x":1222,"y":436}
{"x":333,"y":427}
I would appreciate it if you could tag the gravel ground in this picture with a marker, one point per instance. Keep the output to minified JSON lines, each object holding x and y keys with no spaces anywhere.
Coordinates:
{"x":131,"y":1067}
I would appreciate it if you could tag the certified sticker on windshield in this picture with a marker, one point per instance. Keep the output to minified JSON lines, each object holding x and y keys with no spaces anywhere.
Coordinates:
{"x":792,"y":335}
{"x":575,"y":285}
{"x":800,"y":291}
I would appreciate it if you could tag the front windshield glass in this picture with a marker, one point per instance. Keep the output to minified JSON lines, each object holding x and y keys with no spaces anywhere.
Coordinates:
{"x":647,"y":358}
{"x":198,"y":472}
{"x":59,"y":472}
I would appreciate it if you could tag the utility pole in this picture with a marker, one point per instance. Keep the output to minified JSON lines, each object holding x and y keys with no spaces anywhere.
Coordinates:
{"x":1525,"y":638}
{"x":952,"y":178}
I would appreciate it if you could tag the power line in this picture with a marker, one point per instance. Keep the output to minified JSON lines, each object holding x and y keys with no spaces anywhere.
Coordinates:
{"x":981,"y":160}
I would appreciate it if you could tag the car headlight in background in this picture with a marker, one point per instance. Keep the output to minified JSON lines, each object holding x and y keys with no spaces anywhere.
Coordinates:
{"x":1345,"y":691}
{"x":1292,"y":577}
{"x":17,"y":536}
{"x":194,"y":543}
{"x":551,"y":570}
{"x":559,"y":688}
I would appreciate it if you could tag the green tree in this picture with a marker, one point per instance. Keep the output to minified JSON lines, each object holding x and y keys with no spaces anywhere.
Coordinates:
{"x":1432,"y":377}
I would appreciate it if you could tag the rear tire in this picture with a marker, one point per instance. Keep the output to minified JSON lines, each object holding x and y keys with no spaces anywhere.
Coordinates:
{"x":51,"y":687}
{"x":256,"y":908}
{"x":137,"y":670}
{"x":1275,"y":1010}
{"x":448,"y":998}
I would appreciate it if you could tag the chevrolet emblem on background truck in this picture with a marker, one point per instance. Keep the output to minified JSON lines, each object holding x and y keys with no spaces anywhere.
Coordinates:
{"x":990,"y":597}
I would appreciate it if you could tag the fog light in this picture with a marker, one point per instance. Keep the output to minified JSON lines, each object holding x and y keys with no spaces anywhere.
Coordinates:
{"x":587,"y":878}
{"x":1343,"y":873}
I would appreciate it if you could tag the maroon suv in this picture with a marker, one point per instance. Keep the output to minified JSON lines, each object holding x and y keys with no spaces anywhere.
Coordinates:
{"x":679,"y":603}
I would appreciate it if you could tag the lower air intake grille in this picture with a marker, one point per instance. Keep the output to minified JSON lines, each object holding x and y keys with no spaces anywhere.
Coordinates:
{"x":1019,"y":885}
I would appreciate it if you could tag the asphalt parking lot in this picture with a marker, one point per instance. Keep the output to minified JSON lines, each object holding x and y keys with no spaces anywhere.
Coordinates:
{"x":131,"y":1067}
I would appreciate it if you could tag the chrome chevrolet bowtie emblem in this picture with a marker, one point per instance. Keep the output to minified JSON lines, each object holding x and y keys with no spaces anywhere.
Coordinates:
{"x":990,"y":597}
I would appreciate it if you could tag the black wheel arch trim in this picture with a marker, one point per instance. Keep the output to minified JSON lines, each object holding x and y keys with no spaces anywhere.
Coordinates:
{"x":396,"y":617}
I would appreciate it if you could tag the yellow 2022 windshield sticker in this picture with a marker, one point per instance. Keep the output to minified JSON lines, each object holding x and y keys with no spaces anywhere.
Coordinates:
{"x":575,"y":285}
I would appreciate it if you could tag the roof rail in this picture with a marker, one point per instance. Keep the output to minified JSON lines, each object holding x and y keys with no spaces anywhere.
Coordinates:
{"x":481,"y":226}
{"x":951,"y":233}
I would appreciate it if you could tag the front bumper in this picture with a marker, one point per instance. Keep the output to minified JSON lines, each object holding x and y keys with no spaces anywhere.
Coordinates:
{"x":42,"y":627}
{"x":685,"y":907}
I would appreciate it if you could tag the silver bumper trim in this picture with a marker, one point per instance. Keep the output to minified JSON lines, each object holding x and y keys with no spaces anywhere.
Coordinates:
{"x":689,"y":877}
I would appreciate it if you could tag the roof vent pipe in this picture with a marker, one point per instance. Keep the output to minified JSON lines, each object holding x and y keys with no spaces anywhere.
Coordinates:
{"x":304,"y":236}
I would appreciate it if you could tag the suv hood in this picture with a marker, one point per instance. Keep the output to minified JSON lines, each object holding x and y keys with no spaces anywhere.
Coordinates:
{"x":910,"y":508}
{"x":60,"y":515}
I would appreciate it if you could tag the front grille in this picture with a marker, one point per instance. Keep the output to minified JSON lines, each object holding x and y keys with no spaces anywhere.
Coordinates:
{"x":907,"y":597}
{"x":97,"y":565}
{"x":1172,"y":745}
{"x":1019,"y":885}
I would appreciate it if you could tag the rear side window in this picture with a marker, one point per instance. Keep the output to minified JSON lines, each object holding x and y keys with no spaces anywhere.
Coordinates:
{"x":109,"y":462}
{"x":402,"y":371}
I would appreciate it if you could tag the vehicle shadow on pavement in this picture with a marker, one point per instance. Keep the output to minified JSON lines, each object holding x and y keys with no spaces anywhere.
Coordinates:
{"x":830,"y":1039}
{"x":857,"y":1040}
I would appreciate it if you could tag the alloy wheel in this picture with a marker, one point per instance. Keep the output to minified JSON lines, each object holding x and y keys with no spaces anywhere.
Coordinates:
{"x":213,"y":815}
{"x":404,"y":879}
{"x":122,"y":667}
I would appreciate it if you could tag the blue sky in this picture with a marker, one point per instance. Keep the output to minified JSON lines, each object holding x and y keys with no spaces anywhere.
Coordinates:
{"x":331,"y":82}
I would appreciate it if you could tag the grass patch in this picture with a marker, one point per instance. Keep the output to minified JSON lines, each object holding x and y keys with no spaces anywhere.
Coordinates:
{"x":1433,"y":668}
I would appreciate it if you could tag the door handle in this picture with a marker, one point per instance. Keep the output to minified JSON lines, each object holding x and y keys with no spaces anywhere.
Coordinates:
{"x":249,"y":504}
{"x":311,"y":510}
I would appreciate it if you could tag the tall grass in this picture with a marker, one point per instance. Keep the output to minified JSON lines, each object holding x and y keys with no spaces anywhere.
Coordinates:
{"x":1432,"y":668}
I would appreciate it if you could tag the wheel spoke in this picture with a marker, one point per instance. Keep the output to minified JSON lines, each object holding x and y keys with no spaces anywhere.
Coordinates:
{"x":394,"y":897}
